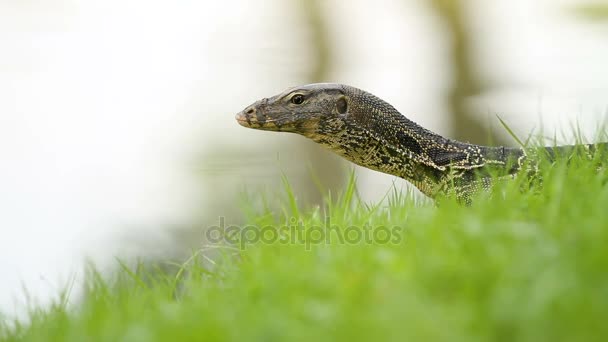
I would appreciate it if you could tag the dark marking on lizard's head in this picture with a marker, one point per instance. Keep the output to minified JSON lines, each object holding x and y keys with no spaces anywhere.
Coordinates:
{"x":306,"y":110}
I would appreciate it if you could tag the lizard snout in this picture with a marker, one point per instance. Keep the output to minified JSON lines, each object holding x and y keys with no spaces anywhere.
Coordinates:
{"x":247,"y":116}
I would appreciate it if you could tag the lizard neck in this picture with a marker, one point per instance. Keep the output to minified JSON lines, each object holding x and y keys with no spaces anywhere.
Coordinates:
{"x":375,"y":135}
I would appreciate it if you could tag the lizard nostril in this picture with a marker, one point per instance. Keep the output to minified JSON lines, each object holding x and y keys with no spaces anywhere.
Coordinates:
{"x":250,"y":111}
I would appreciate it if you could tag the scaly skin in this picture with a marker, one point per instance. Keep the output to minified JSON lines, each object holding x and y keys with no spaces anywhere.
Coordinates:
{"x":370,"y":132}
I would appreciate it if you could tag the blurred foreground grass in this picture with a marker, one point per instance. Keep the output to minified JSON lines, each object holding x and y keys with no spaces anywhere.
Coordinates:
{"x":517,"y":265}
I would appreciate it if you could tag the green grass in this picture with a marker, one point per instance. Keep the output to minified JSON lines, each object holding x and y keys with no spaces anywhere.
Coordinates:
{"x":525,"y":265}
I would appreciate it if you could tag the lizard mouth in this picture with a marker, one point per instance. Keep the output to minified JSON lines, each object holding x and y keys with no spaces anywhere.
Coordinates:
{"x":252,"y":121}
{"x":243,"y":120}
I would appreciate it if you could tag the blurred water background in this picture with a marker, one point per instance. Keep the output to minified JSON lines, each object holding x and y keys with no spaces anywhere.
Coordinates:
{"x":117,"y":131}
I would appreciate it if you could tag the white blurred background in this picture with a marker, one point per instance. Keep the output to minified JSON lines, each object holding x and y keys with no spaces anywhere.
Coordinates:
{"x":117,"y":131}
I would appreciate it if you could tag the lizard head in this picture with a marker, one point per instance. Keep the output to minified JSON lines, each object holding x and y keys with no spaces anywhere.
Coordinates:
{"x":308,"y":110}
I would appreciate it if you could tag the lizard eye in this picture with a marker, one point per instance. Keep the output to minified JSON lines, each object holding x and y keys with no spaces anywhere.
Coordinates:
{"x":297,"y":99}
